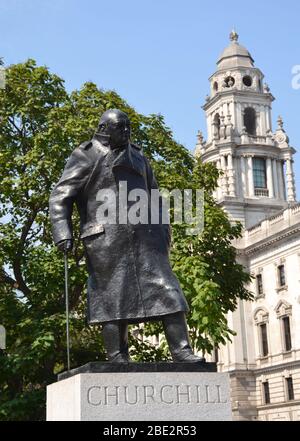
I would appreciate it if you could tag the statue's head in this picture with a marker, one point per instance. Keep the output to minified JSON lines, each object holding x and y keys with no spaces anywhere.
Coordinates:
{"x":115,"y":126}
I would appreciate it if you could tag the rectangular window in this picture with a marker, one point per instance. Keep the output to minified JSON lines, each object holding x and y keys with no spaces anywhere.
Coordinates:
{"x":289,"y":388}
{"x":259,"y":173}
{"x":266,"y":392}
{"x":287,"y":333}
{"x":259,"y":285}
{"x":264,"y":340}
{"x":281,"y":275}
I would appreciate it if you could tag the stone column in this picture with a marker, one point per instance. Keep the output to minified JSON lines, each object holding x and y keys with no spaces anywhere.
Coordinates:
{"x":281,"y":183}
{"x":231,"y":177}
{"x":250,"y":177}
{"x":220,"y":181}
{"x":243,"y":176}
{"x":269,"y":120}
{"x":270,"y":178}
{"x":224,"y":177}
{"x":263,"y":120}
{"x":258,"y":122}
{"x":290,"y":180}
{"x":265,"y":124}
{"x":239,"y":120}
{"x":275,"y":175}
{"x":232,"y":113}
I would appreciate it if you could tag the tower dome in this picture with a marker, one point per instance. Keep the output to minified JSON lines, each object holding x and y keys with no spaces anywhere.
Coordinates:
{"x":235,"y":55}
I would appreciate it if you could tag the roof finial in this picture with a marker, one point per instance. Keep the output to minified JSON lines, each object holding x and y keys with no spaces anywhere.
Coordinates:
{"x":200,"y":137}
{"x":234,"y":36}
{"x":280,"y":122}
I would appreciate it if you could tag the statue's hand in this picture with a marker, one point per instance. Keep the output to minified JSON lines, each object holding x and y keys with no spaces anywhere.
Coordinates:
{"x":65,"y":245}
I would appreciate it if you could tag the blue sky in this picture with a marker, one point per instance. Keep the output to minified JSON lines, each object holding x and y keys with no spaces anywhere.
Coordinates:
{"x":158,"y":54}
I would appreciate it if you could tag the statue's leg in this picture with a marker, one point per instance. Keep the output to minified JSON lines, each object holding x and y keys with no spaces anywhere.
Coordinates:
{"x":177,"y":336}
{"x":115,"y":337}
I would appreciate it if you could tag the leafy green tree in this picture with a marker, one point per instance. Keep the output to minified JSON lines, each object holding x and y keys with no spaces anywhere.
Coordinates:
{"x":40,"y":125}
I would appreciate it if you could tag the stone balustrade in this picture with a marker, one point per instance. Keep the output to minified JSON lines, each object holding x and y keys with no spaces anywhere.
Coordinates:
{"x":273,"y":225}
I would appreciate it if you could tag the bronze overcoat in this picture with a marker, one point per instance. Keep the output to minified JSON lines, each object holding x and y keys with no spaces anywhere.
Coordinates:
{"x":129,"y":271}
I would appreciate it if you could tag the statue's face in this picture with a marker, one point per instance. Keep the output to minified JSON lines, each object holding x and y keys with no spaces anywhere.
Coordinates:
{"x":116,"y":125}
{"x":119,"y":132}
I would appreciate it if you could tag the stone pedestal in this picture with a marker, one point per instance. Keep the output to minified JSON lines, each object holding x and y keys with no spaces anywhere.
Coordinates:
{"x":140,"y":392}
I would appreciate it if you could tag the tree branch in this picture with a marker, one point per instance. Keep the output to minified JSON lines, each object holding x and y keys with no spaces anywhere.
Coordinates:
{"x":15,"y":126}
{"x":5,"y":278}
{"x":17,"y":262}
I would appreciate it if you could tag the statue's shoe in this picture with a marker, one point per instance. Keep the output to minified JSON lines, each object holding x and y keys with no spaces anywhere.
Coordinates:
{"x":120,"y":358}
{"x":188,"y":358}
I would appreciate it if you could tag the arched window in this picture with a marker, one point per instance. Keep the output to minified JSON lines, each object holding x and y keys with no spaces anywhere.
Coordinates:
{"x":247,"y":80}
{"x":250,"y":121}
{"x":217,"y":123}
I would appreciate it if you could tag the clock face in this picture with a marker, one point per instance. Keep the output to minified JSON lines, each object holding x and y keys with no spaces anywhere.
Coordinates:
{"x":280,"y":138}
{"x":229,"y":81}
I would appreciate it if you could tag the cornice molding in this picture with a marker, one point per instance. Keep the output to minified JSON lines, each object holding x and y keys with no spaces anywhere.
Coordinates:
{"x":262,"y":370}
{"x":264,"y":97}
{"x":277,"y":406}
{"x":267,"y":242}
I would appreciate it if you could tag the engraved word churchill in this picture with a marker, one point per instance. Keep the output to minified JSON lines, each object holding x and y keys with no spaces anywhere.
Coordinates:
{"x":142,"y":395}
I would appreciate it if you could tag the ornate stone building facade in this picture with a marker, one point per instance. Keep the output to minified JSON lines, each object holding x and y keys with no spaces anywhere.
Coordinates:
{"x":257,"y":188}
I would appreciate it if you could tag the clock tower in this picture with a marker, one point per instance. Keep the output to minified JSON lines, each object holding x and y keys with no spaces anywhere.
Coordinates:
{"x":256,"y":162}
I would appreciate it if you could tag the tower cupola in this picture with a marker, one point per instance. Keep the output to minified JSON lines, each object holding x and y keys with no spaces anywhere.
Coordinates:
{"x":257,"y":166}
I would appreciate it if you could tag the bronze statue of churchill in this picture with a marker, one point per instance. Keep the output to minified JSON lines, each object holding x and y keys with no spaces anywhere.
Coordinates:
{"x":130,"y":278}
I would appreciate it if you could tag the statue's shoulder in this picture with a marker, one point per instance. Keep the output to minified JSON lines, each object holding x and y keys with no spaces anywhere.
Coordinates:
{"x":81,"y":150}
{"x":84,"y":153}
{"x":86,"y":145}
{"x":92,"y":148}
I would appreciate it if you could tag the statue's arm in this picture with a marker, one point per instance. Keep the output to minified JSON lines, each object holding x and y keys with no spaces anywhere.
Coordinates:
{"x":62,"y":198}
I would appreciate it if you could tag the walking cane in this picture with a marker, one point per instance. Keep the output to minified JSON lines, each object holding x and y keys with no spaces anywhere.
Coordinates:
{"x":67,"y":305}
